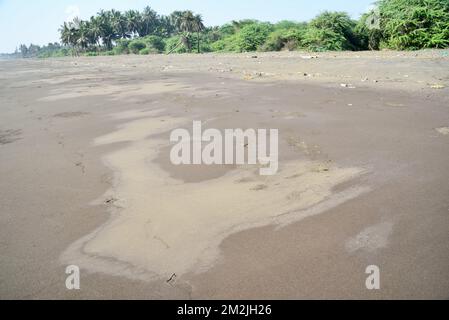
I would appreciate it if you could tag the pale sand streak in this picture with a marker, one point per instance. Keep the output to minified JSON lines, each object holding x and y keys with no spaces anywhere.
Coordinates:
{"x":371,"y":239}
{"x":163,"y":226}
{"x":114,"y":92}
{"x":443,"y":130}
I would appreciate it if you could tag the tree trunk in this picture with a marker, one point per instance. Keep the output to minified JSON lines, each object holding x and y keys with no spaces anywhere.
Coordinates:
{"x":199,"y":50}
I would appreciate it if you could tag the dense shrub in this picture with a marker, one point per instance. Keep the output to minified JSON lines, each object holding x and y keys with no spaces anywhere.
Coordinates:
{"x":229,"y":44}
{"x":274,"y":42}
{"x":175,"y":45}
{"x":145,"y":51}
{"x":323,"y":40}
{"x":122,"y":46}
{"x":252,"y":36}
{"x":284,"y":39}
{"x":415,"y":24}
{"x":107,"y":53}
{"x":92,"y":54}
{"x":155,"y":44}
{"x":227,"y":30}
{"x":368,"y":35}
{"x":136,"y":45}
{"x":287,"y":25}
{"x":338,"y":26}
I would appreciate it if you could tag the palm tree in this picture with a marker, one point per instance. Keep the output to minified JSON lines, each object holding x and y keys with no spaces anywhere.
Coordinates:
{"x":175,"y":19}
{"x":187,"y":21}
{"x":148,"y":22}
{"x":165,"y":26}
{"x":70,"y":34}
{"x":198,"y":27}
{"x":119,"y":24}
{"x":133,"y":19}
{"x":94,"y":31}
{"x":83,"y":35}
{"x":23,"y":50}
{"x":65,"y":32}
{"x":187,"y":24}
{"x":108,"y":26}
{"x":108,"y":34}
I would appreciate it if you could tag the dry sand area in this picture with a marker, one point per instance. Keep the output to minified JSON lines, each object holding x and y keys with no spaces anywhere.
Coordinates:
{"x":363,"y":179}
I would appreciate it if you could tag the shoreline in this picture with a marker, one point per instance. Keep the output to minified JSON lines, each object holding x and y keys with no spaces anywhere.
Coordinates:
{"x":304,"y":66}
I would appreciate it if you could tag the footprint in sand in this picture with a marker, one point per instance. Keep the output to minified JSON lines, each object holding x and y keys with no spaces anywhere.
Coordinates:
{"x":295,"y":195}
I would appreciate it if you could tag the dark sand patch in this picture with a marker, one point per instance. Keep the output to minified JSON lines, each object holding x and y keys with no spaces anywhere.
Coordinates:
{"x":9,"y":136}
{"x":67,"y":115}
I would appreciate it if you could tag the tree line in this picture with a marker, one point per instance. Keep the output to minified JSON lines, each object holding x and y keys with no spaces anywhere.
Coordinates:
{"x":392,"y":24}
{"x":109,"y":26}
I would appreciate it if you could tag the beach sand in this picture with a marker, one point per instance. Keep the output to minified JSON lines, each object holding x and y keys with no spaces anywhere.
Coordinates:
{"x":363,"y":177}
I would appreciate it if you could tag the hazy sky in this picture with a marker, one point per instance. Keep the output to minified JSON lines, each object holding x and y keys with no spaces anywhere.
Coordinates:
{"x":38,"y":21}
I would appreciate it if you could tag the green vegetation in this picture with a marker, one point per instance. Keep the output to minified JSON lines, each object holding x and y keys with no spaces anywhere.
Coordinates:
{"x":136,"y":46}
{"x":50,"y":50}
{"x":414,"y":24}
{"x":394,"y":24}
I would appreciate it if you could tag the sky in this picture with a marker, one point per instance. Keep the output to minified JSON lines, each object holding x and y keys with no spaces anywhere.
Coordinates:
{"x":38,"y":21}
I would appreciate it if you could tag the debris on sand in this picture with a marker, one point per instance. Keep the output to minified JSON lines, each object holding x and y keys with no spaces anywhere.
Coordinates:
{"x":443,"y":130}
{"x":309,"y":57}
{"x":111,"y":201}
{"x":347,"y":85}
{"x":172,"y":278}
{"x":321,"y":168}
{"x":395,"y":105}
{"x":253,"y":75}
{"x":437,"y":86}
{"x":259,"y":187}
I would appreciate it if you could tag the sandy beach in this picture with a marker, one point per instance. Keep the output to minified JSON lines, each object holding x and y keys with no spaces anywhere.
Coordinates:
{"x":86,"y":177}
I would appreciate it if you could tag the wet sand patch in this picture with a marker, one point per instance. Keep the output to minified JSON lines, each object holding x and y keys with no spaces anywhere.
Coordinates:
{"x":162,"y":226}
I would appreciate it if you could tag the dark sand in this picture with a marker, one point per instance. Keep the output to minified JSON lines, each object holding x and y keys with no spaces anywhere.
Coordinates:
{"x":391,"y":126}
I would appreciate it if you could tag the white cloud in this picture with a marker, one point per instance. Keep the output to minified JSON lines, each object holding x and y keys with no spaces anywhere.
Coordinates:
{"x":72,"y":12}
